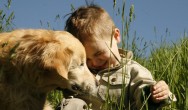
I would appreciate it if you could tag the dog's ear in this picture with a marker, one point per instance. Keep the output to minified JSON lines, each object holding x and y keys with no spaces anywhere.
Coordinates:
{"x":65,"y":56}
{"x":57,"y":57}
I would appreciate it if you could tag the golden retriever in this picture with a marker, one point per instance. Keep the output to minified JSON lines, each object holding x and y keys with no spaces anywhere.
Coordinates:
{"x":36,"y":61}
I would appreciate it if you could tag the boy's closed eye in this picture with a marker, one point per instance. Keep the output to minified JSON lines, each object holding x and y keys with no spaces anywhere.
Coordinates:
{"x":99,"y":53}
{"x":95,"y":57}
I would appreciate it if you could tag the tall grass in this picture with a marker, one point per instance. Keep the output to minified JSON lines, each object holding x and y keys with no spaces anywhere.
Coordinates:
{"x":6,"y":17}
{"x":170,"y":63}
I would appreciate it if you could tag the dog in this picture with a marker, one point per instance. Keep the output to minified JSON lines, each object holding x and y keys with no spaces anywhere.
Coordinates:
{"x":36,"y":61}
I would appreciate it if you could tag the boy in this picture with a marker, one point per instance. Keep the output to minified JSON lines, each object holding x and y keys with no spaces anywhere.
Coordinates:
{"x":121,"y":79}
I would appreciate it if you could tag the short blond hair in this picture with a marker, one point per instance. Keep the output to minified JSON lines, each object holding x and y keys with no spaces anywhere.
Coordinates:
{"x":89,"y":22}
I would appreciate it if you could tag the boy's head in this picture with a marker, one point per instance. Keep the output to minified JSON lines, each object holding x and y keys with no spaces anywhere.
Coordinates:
{"x":90,"y":22}
{"x":93,"y":26}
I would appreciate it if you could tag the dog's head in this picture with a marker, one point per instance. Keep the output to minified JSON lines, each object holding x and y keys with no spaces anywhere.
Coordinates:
{"x":70,"y":62}
{"x":49,"y":59}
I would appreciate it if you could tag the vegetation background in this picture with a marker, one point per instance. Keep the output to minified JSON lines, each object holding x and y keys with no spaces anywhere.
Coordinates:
{"x":168,"y":61}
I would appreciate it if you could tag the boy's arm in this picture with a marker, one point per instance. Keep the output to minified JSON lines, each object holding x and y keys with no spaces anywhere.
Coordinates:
{"x":141,"y":81}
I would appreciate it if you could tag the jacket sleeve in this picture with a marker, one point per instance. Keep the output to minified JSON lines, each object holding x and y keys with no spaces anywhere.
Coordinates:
{"x":139,"y":88}
{"x":140,"y":79}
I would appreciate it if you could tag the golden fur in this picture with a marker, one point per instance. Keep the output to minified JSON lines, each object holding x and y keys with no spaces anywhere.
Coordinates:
{"x":34,"y":62}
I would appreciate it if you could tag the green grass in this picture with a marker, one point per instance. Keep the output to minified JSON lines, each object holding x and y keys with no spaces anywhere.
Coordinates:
{"x":170,"y":63}
{"x":6,"y":17}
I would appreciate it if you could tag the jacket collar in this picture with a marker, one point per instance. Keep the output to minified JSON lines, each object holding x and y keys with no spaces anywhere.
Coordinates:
{"x":126,"y":54}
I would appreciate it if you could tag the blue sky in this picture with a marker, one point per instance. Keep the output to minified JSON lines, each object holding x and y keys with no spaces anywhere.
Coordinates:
{"x":161,"y":14}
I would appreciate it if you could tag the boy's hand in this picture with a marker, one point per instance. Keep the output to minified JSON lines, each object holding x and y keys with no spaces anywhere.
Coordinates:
{"x":159,"y":91}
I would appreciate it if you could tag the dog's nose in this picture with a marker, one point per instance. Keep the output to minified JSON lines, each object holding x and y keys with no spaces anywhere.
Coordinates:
{"x":76,"y":87}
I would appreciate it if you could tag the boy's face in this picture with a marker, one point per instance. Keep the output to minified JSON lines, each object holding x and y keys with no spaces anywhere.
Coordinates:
{"x":99,"y":55}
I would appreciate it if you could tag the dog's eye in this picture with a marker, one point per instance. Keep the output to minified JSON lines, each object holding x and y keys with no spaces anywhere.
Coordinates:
{"x":82,"y":64}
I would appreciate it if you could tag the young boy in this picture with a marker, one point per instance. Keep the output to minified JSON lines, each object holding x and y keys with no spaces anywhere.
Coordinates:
{"x":121,"y":79}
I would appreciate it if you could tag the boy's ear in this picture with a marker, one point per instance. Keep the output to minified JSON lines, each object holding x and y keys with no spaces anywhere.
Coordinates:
{"x":117,"y":35}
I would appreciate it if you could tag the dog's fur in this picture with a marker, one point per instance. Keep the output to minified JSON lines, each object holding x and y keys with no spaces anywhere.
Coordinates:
{"x":34,"y":62}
